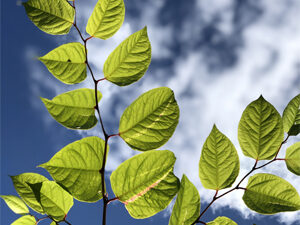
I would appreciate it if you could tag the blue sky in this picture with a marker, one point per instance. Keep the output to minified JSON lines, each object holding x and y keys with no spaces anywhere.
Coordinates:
{"x":217,"y":56}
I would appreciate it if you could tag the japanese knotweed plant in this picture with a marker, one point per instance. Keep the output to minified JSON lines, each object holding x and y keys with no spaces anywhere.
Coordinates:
{"x":145,"y":183}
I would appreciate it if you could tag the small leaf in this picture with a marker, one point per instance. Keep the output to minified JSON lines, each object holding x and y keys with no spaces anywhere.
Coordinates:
{"x":292,"y":158}
{"x":76,"y":167}
{"x":219,"y":163}
{"x":74,"y":109}
{"x":269,"y":194}
{"x":130,"y":60}
{"x":106,"y":19}
{"x":145,"y":183}
{"x":260,"y":131}
{"x":53,"y":223}
{"x":55,"y":201}
{"x":222,"y":220}
{"x":21,"y":185}
{"x":15,"y":204}
{"x":150,"y":120}
{"x":25,"y":220}
{"x":291,"y":117}
{"x":187,"y":206}
{"x":67,"y":63}
{"x":51,"y":16}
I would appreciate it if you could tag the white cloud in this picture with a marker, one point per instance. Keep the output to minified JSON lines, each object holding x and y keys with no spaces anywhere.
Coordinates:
{"x":267,"y":63}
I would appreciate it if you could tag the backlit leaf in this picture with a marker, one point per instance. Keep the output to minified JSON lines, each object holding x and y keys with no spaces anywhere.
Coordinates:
{"x":67,"y":63}
{"x":222,"y":220}
{"x":55,"y":201}
{"x":260,"y":131}
{"x":219,"y":163}
{"x":25,"y":220}
{"x":291,"y":116}
{"x":150,"y":120}
{"x":130,"y":60}
{"x":106,"y":19}
{"x":76,"y":167}
{"x":292,"y":158}
{"x":187,"y":206}
{"x":74,"y":109}
{"x":145,"y":183}
{"x":21,"y":185}
{"x":15,"y":204}
{"x":269,"y":194}
{"x":51,"y":16}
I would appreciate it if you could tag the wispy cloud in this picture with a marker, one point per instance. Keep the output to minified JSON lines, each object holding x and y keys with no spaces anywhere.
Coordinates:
{"x":217,"y":56}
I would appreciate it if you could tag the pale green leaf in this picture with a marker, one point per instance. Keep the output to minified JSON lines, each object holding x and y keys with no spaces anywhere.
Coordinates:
{"x":76,"y":167}
{"x":67,"y":63}
{"x":292,"y":158}
{"x":291,"y":114}
{"x":219,"y":163}
{"x":150,"y":120}
{"x":53,"y":223}
{"x":106,"y":19}
{"x":187,"y":206}
{"x":130,"y":60}
{"x":21,"y":185}
{"x":269,"y":194}
{"x":260,"y":131}
{"x":222,"y":220}
{"x":51,"y":16}
{"x":145,"y":183}
{"x":25,"y":220}
{"x":74,"y":109}
{"x":55,"y":201}
{"x":15,"y":204}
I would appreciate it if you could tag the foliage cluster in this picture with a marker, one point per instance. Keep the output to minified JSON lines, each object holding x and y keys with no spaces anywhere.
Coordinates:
{"x":145,"y":183}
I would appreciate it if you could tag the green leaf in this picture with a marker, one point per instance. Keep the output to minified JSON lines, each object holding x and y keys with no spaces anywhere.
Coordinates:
{"x":219,"y":163}
{"x":130,"y":60}
{"x":15,"y":204}
{"x":292,"y":158}
{"x":67,"y":63}
{"x":260,"y":131}
{"x":21,"y":185}
{"x":222,"y":220}
{"x":269,"y":194}
{"x":187,"y":206}
{"x":74,"y":109}
{"x":51,"y":16}
{"x":150,"y":120}
{"x":291,"y":115}
{"x":295,"y":130}
{"x":106,"y":19}
{"x":55,"y":201}
{"x":25,"y":220}
{"x":76,"y":167}
{"x":145,"y":183}
{"x":53,"y":223}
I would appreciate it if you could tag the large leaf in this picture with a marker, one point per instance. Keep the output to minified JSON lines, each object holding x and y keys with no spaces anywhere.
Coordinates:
{"x":291,"y":115}
{"x":67,"y":63}
{"x":145,"y":183}
{"x":106,"y":19}
{"x":15,"y":204}
{"x":260,"y":131}
{"x":292,"y":158}
{"x":222,"y":220}
{"x":21,"y":185}
{"x":76,"y":167}
{"x":150,"y":120}
{"x":74,"y":109}
{"x":269,"y":194}
{"x":130,"y":60}
{"x":219,"y":163}
{"x":51,"y":16}
{"x":187,"y":206}
{"x":55,"y":201}
{"x":25,"y":220}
